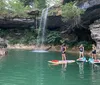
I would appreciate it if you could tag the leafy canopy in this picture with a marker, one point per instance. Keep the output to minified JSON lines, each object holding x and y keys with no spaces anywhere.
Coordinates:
{"x":70,"y":10}
{"x":13,"y":8}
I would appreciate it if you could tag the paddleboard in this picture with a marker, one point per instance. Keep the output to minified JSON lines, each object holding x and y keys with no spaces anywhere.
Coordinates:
{"x":83,"y":59}
{"x":91,"y":60}
{"x":61,"y":61}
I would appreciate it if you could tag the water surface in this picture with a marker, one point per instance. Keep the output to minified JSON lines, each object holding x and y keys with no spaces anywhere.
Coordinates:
{"x":21,"y":67}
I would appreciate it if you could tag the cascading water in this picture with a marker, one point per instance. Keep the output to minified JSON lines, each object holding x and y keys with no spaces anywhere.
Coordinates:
{"x":41,"y":31}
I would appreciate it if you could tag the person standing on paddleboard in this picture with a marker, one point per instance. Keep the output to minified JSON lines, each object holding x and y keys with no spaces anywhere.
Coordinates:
{"x":63,"y":51}
{"x":81,"y":51}
{"x":94,"y":51}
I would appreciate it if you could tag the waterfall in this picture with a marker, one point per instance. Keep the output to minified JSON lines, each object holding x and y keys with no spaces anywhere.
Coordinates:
{"x":41,"y":31}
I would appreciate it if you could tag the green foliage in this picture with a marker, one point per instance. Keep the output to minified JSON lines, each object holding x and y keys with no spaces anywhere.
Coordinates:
{"x":13,"y":8}
{"x":36,"y":3}
{"x":13,"y":41}
{"x":52,"y":12}
{"x":53,"y":37}
{"x":2,"y":5}
{"x":41,"y":4}
{"x":3,"y":11}
{"x":87,"y":45}
{"x":28,"y":38}
{"x":16,"y":36}
{"x":71,"y":44}
{"x":71,"y":11}
{"x":17,"y":8}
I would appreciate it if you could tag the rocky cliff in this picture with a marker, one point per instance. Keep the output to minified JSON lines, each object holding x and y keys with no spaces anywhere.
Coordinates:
{"x":95,"y":33}
{"x":16,"y":23}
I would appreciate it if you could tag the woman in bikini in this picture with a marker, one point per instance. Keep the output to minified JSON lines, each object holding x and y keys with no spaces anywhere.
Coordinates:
{"x":81,"y":51}
{"x":63,"y":51}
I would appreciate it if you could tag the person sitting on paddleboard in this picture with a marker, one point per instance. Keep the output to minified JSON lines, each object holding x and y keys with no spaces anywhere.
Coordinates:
{"x":94,"y":51}
{"x":63,"y":51}
{"x":81,"y":51}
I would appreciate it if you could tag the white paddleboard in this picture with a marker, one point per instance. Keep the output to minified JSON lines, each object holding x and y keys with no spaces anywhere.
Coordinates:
{"x":61,"y":61}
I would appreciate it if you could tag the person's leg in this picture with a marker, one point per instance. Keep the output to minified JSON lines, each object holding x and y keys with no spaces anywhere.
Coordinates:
{"x":95,"y":56}
{"x":79,"y":54}
{"x":64,"y":56}
{"x":92,"y":55}
{"x":82,"y":54}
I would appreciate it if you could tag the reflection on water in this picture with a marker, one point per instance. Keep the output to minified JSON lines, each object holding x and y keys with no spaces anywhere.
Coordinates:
{"x":81,"y":69}
{"x":63,"y":70}
{"x":95,"y":68}
{"x":95,"y":72}
{"x":39,"y":69}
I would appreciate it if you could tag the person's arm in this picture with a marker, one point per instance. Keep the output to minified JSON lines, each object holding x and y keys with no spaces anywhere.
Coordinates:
{"x":79,"y":46}
{"x":83,"y":49}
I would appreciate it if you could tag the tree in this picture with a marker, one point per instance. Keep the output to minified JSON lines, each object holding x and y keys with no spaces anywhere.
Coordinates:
{"x":41,"y":4}
{"x":70,"y":10}
{"x":71,"y":15}
{"x":2,"y":7}
{"x":35,"y":3}
{"x":17,"y":8}
{"x":11,"y":8}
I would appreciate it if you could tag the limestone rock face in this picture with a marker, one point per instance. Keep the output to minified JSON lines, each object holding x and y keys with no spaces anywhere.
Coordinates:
{"x":16,"y":23}
{"x":95,"y":33}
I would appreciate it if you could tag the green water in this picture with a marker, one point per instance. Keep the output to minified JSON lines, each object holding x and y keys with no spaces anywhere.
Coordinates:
{"x":28,"y":68}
